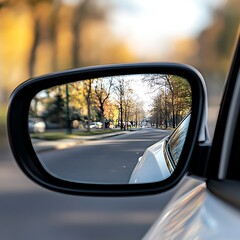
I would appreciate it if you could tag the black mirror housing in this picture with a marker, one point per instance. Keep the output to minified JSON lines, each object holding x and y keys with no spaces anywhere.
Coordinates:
{"x":25,"y":155}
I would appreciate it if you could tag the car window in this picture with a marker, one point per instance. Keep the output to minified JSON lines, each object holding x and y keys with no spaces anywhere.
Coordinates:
{"x":177,"y":139}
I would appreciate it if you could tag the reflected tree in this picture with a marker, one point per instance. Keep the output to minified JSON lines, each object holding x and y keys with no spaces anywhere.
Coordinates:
{"x":102,"y":90}
{"x":173,"y":100}
{"x":87,"y":92}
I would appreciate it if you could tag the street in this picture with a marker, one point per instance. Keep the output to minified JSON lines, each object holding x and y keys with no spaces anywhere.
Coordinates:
{"x":29,"y":211}
{"x":109,"y":160}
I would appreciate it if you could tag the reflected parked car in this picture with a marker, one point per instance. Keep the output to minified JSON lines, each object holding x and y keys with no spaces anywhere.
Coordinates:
{"x":36,"y":125}
{"x":159,"y":160}
{"x":94,"y":125}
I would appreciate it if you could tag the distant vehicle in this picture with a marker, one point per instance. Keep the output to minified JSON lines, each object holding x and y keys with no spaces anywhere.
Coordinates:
{"x":36,"y":125}
{"x":145,"y":124}
{"x":160,"y":159}
{"x":94,"y":125}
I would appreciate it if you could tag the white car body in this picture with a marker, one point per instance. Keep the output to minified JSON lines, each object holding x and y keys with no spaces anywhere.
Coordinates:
{"x":94,"y":125}
{"x":195,"y":213}
{"x":36,"y":126}
{"x":152,"y":166}
{"x":156,"y":164}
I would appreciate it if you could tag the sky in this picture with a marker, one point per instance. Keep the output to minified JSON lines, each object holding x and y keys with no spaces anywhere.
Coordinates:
{"x":153,"y":24}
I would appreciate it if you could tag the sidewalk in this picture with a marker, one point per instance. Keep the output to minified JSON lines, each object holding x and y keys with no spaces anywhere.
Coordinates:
{"x":43,"y":145}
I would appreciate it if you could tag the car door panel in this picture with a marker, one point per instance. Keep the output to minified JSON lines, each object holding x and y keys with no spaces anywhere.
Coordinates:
{"x":196,"y":213}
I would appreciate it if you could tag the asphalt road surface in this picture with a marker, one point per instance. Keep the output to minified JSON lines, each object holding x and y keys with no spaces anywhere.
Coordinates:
{"x":29,"y":211}
{"x":110,"y":160}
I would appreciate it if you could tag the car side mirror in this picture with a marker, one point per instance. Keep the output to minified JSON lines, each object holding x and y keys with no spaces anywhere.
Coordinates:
{"x":108,"y":130}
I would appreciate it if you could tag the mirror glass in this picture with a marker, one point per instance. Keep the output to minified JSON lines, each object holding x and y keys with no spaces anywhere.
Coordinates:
{"x":112,"y":130}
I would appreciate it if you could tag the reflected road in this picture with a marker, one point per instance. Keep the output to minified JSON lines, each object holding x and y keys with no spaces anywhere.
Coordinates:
{"x":110,"y":160}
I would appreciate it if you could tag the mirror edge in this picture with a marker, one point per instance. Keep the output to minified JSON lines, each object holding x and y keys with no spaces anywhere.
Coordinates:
{"x":26,"y":158}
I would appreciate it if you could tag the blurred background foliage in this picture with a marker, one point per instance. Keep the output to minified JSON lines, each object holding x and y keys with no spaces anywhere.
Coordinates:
{"x":41,"y":36}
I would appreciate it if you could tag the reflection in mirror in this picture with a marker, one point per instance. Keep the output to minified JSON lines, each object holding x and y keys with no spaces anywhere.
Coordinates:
{"x":112,"y":130}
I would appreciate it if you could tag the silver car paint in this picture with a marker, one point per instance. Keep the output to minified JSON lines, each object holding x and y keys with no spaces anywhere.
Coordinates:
{"x":230,"y":130}
{"x":152,"y":167}
{"x":195,"y":213}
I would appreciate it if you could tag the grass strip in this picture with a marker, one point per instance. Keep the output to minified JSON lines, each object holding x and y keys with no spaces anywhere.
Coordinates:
{"x":51,"y":136}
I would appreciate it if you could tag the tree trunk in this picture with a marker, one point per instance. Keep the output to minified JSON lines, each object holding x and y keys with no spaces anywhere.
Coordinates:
{"x":102,"y":116}
{"x":36,"y":40}
{"x":69,"y":127}
{"x":136,"y":120}
{"x":76,"y":41}
{"x":173,"y":112}
{"x":53,"y":33}
{"x":78,"y":18}
{"x":89,"y":114}
{"x":88,"y":85}
{"x":121,"y":113}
